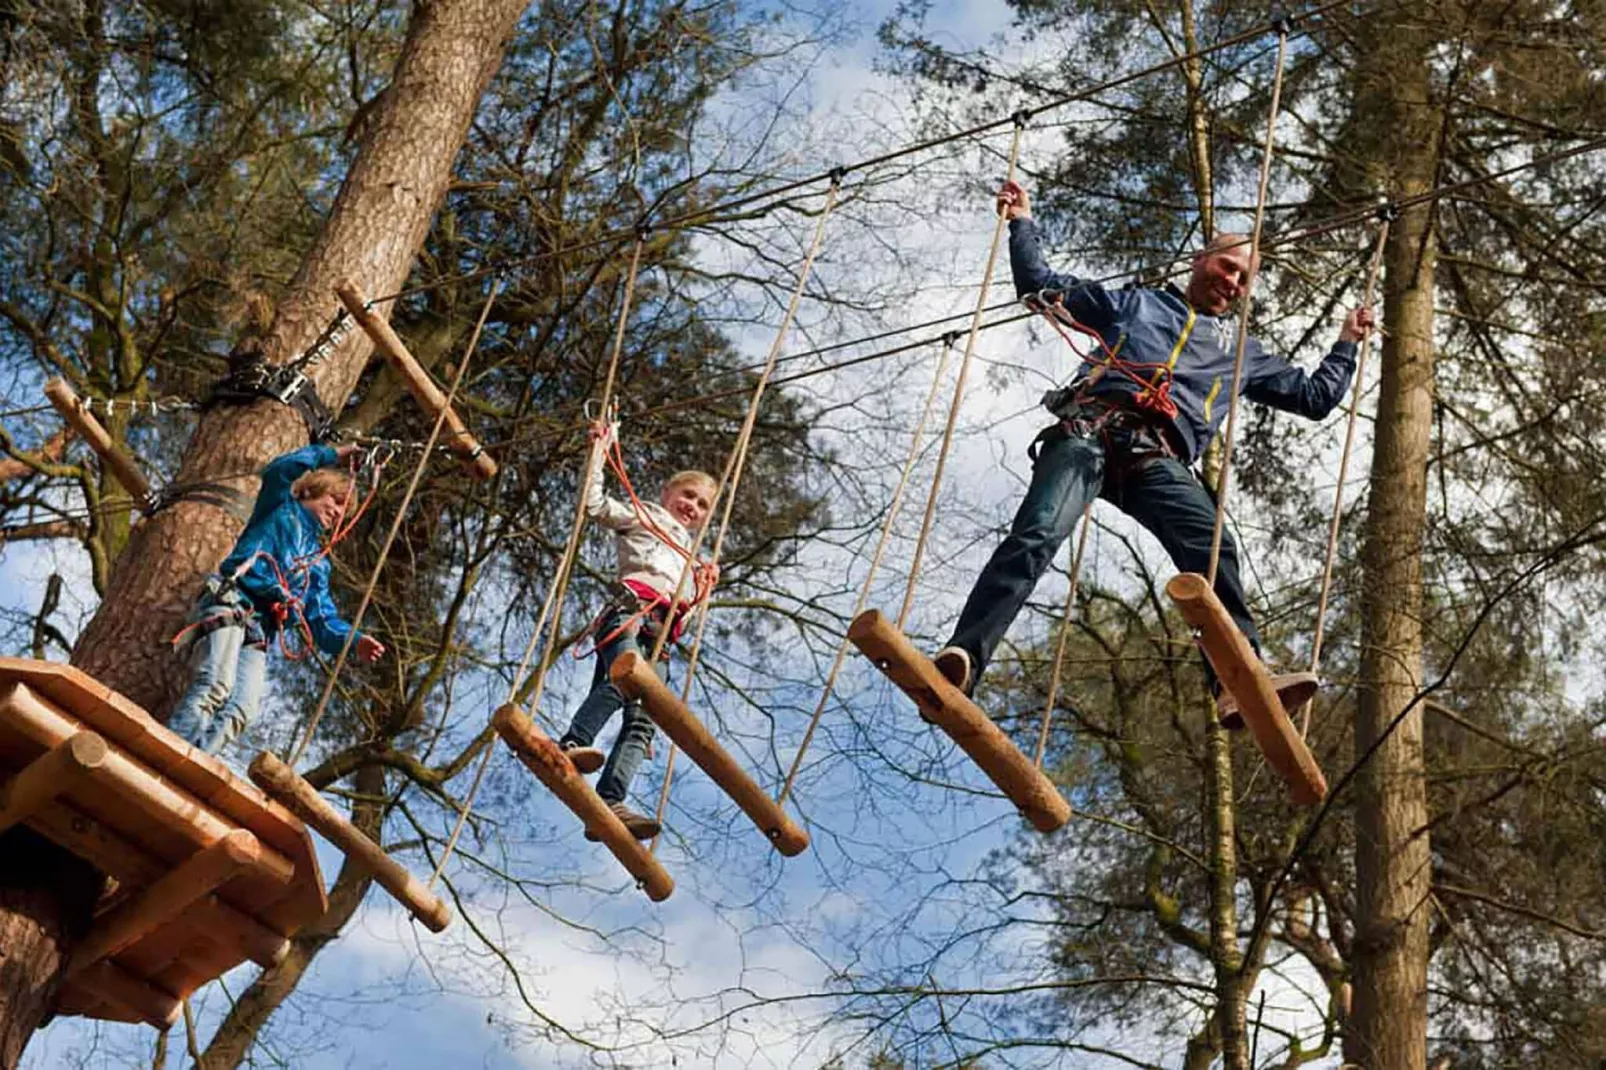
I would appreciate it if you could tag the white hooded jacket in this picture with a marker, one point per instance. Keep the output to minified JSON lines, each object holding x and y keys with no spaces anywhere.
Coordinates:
{"x":643,"y":556}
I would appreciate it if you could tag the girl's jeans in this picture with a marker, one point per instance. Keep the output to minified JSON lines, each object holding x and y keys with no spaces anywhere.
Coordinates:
{"x":635,"y":735}
{"x":229,"y":663}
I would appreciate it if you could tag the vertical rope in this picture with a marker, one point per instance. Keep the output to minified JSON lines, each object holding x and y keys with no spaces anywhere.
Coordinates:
{"x":1243,"y":318}
{"x":1343,"y":468}
{"x":1065,"y":633}
{"x":893,"y":509}
{"x":959,"y":387}
{"x":395,"y":527}
{"x":554,"y":595}
{"x":732,"y":477}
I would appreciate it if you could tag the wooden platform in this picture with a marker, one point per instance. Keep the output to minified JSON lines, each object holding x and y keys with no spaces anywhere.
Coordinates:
{"x":943,"y":704}
{"x":207,"y":872}
{"x":1241,"y":672}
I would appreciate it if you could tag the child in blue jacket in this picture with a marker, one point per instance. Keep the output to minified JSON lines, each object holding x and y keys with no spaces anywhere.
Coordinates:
{"x":276,"y":574}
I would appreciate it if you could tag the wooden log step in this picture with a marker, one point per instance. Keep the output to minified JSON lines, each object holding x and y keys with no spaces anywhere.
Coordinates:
{"x":429,"y":397}
{"x":122,"y":467}
{"x":552,"y":767}
{"x":1025,"y":785}
{"x":303,"y":800}
{"x":1242,"y":673}
{"x":50,"y":775}
{"x":178,"y":812}
{"x":635,"y":680}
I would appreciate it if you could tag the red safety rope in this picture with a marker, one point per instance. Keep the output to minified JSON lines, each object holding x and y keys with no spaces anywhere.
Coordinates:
{"x":1154,"y":378}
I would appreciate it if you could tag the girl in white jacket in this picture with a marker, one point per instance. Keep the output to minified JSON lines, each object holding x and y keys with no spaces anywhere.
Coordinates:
{"x":654,"y":540}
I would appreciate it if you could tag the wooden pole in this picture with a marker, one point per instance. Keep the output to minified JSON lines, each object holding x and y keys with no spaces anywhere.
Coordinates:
{"x":111,"y":982}
{"x":47,"y":776}
{"x":303,"y":800}
{"x":389,"y":345}
{"x":92,"y":431}
{"x":238,"y":931}
{"x":1241,"y":672}
{"x":1032,"y":792}
{"x":208,"y":869}
{"x":552,"y":767}
{"x":173,"y":808}
{"x":635,"y":680}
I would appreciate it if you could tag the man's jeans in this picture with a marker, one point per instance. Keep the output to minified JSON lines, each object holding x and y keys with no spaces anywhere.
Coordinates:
{"x":229,"y":663}
{"x":635,"y":735}
{"x":1072,"y":469}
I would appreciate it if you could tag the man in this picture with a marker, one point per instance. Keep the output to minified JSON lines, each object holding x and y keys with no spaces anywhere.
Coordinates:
{"x":1132,"y":422}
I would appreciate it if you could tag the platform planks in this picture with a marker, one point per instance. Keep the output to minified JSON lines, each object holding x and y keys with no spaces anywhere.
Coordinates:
{"x":1027,"y":786}
{"x":635,"y":680}
{"x":1242,"y":673}
{"x":552,"y":767}
{"x":210,"y":872}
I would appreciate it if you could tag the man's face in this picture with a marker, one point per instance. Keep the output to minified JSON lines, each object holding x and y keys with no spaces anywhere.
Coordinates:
{"x":328,"y":509}
{"x":1219,"y":279}
{"x":688,"y":502}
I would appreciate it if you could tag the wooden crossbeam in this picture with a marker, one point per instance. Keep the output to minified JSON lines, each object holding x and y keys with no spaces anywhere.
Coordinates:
{"x":49,"y":775}
{"x":239,"y":931}
{"x":1025,"y":785}
{"x":176,"y":810}
{"x":208,"y":869}
{"x":552,"y":767}
{"x":145,"y":1001}
{"x":303,"y":800}
{"x":1242,"y":673}
{"x":635,"y":680}
{"x":429,"y":397}
{"x":122,"y":467}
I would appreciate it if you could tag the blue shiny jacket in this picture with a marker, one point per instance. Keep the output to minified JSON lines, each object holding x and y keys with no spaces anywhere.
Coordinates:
{"x":283,"y":529}
{"x":1158,"y":326}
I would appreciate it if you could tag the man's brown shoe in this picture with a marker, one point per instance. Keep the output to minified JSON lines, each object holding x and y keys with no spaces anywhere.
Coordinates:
{"x":1293,"y":688}
{"x":641,"y":826}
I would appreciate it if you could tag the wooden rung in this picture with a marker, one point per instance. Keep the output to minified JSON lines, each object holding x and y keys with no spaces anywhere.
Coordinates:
{"x":238,"y":931}
{"x":165,"y":900}
{"x":390,"y":346}
{"x":111,"y":982}
{"x":552,"y":767}
{"x":635,"y":680}
{"x":177,"y":810}
{"x":92,"y":431}
{"x":49,"y":775}
{"x":303,"y":800}
{"x":1242,"y":673}
{"x":1032,"y":792}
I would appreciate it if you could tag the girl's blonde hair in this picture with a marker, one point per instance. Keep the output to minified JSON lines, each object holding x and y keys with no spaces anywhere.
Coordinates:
{"x":691,"y":475}
{"x":321,"y":481}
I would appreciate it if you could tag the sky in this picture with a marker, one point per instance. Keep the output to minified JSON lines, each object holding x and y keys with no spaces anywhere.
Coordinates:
{"x":744,"y":925}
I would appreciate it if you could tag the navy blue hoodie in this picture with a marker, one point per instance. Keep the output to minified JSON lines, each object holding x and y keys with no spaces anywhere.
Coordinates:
{"x":1146,"y":325}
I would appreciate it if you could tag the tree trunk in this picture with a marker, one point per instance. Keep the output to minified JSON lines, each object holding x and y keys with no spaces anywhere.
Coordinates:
{"x":1226,"y":957}
{"x":1388,"y":1029}
{"x":378,"y":222}
{"x":238,"y":1032}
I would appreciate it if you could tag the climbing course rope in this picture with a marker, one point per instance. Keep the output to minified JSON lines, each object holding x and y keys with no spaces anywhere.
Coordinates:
{"x":893,"y":508}
{"x":1245,"y":302}
{"x":999,"y":226}
{"x":395,"y":527}
{"x":552,"y":604}
{"x":732,"y":478}
{"x":1065,"y":633}
{"x":1343,"y":466}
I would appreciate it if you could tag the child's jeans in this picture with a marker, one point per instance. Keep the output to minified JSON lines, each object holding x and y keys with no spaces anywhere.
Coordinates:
{"x":635,"y":735}
{"x":229,"y":663}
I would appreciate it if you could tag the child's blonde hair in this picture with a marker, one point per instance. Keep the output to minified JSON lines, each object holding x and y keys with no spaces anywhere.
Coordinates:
{"x":321,"y":481}
{"x":691,"y":475}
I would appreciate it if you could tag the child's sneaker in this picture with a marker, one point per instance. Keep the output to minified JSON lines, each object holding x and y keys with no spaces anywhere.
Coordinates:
{"x":954,"y":664}
{"x":1294,"y":689}
{"x":641,"y":826}
{"x":584,"y":759}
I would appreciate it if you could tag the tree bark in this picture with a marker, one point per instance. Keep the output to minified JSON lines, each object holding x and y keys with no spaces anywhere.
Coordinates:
{"x":380,"y":218}
{"x":238,"y":1032}
{"x":1388,"y":1028}
{"x":1227,"y":959}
